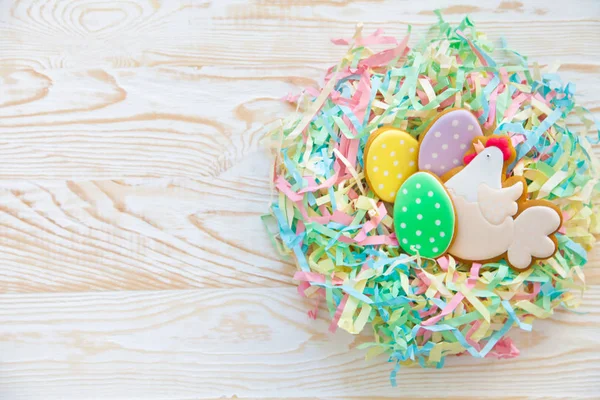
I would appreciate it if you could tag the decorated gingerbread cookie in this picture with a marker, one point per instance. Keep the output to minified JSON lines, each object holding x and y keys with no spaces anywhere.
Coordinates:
{"x":494,"y":218}
{"x":390,"y":158}
{"x":424,"y":217}
{"x":444,"y":143}
{"x":484,"y":218}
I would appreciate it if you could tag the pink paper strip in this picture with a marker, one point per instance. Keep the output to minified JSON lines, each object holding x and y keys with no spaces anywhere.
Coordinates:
{"x":338,"y":314}
{"x":377,"y":240}
{"x":515,"y":105}
{"x":285,"y":187}
{"x":443,"y":263}
{"x":383,"y":58}
{"x":505,"y":348}
{"x":492,"y":104}
{"x":473,"y":48}
{"x":341,"y":218}
{"x":315,"y":277}
{"x":474,"y":275}
{"x":372,"y":223}
{"x":450,"y":306}
{"x":516,"y":139}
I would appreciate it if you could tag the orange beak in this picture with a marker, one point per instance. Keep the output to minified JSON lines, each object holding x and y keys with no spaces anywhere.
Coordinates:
{"x":479,"y":147}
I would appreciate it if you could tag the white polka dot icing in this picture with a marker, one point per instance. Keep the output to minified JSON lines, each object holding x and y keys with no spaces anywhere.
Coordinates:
{"x":417,"y":220}
{"x":389,"y":159}
{"x":446,"y":140}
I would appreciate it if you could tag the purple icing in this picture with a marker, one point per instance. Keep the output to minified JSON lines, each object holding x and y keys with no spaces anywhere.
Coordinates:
{"x":447,"y":141}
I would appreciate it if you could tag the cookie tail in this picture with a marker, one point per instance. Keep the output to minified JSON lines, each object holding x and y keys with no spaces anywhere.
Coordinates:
{"x":533,"y":228}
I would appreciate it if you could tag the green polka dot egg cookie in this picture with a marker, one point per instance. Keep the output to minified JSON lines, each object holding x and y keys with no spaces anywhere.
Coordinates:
{"x":424,"y":216}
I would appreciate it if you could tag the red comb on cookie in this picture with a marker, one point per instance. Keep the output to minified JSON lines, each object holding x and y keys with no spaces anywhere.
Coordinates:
{"x":500,"y":142}
{"x":469,"y":157}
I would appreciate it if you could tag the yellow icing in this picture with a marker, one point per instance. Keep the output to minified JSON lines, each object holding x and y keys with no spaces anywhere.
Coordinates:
{"x":390,"y":158}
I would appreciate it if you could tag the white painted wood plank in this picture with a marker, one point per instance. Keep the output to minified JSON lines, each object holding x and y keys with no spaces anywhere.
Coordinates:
{"x":137,"y":234}
{"x":256,"y":343}
{"x":163,"y":122}
{"x":144,"y":234}
{"x":67,"y":34}
{"x":141,"y":122}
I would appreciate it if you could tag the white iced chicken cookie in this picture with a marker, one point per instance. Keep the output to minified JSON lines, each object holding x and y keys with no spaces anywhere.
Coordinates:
{"x":493,"y":217}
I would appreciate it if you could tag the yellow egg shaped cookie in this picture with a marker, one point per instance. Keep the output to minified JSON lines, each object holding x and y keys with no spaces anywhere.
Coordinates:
{"x":390,"y":158}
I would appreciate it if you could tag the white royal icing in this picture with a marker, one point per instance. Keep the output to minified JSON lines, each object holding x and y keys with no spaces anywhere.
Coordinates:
{"x":485,"y":210}
{"x":485,"y":168}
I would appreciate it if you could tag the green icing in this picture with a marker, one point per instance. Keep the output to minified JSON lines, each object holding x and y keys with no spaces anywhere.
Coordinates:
{"x":424,"y":217}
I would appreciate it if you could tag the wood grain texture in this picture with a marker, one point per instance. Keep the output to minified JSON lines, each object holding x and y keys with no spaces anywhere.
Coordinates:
{"x":134,"y":235}
{"x":152,"y":122}
{"x":144,"y":234}
{"x":205,"y":343}
{"x":144,"y":122}
{"x":133,"y":263}
{"x":84,"y":34}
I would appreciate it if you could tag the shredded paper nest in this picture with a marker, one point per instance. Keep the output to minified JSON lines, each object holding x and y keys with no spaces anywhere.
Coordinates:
{"x":340,"y":234}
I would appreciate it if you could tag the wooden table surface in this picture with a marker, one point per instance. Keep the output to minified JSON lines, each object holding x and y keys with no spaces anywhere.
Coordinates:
{"x":133,"y":263}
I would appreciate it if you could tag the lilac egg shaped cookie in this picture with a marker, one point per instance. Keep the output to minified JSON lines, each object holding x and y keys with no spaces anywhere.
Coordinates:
{"x":445,"y":142}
